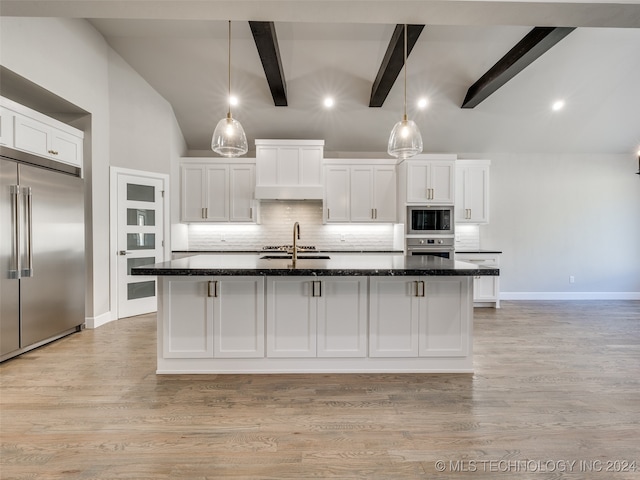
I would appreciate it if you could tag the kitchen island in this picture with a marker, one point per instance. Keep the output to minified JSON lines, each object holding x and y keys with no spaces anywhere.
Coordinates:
{"x":347,"y":313}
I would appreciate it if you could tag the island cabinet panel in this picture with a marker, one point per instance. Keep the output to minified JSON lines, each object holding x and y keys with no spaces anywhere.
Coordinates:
{"x":291,"y":317}
{"x":419,"y":317}
{"x":212,"y":317}
{"x":238,"y":322}
{"x":313,"y":317}
{"x":444,"y":323}
{"x":393,"y":317}
{"x":342,"y":317}
{"x":188,"y":317}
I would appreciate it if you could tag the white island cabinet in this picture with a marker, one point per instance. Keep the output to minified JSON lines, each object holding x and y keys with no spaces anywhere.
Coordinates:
{"x":212,"y":317}
{"x":419,"y":317}
{"x":343,"y":313}
{"x":316,"y":317}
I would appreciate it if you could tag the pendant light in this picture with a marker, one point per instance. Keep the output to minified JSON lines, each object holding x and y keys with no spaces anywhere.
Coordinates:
{"x":405,"y":140}
{"x":229,"y":139}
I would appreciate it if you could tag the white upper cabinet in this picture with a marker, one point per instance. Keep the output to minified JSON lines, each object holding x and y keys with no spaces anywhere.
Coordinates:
{"x":472,"y":191}
{"x":289,"y":169}
{"x":430,"y":182}
{"x":214,"y":191}
{"x":337,"y":193}
{"x":30,"y":131}
{"x":6,"y":127}
{"x":360,"y":193}
{"x":427,"y":179}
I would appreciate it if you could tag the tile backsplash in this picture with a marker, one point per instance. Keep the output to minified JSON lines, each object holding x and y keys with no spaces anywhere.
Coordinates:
{"x":467,"y":237}
{"x":276,"y":228}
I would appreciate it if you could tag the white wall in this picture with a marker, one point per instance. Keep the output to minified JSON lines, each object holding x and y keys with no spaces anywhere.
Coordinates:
{"x":131,"y":125}
{"x":556,"y":216}
{"x":142,"y":123}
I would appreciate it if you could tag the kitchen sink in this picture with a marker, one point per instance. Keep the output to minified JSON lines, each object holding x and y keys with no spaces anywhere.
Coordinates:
{"x":300,"y":257}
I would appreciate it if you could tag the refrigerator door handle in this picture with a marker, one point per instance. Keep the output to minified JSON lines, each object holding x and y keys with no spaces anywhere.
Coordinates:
{"x":28,"y":272}
{"x":14,"y":273}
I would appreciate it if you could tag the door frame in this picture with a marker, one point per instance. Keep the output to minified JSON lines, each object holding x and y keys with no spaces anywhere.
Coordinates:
{"x":113,"y":225}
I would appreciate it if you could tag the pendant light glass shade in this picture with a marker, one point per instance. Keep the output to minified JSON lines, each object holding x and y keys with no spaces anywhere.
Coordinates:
{"x":229,"y":139}
{"x":405,"y":140}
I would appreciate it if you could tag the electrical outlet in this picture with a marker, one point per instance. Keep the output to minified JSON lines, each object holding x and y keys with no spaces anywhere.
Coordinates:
{"x":572,"y":279}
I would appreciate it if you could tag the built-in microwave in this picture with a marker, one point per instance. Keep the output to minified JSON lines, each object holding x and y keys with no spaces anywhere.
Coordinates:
{"x":422,"y":220}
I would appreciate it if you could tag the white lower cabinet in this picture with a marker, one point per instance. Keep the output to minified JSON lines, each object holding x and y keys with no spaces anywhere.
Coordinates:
{"x":486,"y":289}
{"x":342,"y":317}
{"x":393,"y":317}
{"x":286,"y":324}
{"x":444,"y":322}
{"x":419,"y":317}
{"x":212,"y":317}
{"x":313,"y":317}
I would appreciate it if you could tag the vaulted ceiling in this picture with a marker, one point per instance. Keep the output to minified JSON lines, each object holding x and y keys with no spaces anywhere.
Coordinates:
{"x":338,"y":48}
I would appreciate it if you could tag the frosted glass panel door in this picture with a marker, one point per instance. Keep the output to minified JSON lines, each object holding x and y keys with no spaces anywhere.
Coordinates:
{"x":140,"y":238}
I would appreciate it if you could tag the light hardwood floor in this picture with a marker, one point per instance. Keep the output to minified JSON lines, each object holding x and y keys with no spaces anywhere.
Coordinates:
{"x":554,"y":383}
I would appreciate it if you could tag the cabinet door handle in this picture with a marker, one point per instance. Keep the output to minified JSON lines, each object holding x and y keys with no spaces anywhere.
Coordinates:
{"x":373,"y":215}
{"x":376,"y":213}
{"x":212,"y":288}
{"x":53,"y":152}
{"x":328,"y":213}
{"x":420,"y":289}
{"x":316,"y":288}
{"x":251,"y":213}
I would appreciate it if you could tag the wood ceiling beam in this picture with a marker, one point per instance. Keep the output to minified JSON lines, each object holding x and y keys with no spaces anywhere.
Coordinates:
{"x":392,"y":62}
{"x":526,"y":51}
{"x":264,"y":34}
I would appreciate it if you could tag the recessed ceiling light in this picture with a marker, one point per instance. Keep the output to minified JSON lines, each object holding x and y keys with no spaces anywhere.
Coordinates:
{"x":328,"y":102}
{"x":233,"y":100}
{"x":557,"y":105}
{"x":422,"y":103}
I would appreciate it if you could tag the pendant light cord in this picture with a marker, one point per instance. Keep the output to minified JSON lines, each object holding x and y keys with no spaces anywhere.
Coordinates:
{"x":405,"y":72}
{"x":229,"y":96}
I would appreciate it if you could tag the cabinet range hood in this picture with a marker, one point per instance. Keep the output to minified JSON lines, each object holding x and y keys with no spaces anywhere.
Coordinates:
{"x":289,"y":170}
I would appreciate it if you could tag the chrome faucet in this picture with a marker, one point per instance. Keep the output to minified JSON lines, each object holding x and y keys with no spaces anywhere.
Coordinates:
{"x":296,"y":237}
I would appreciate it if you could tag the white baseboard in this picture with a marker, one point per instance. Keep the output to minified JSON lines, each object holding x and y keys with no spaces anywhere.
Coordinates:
{"x":569,"y":295}
{"x":95,"y":322}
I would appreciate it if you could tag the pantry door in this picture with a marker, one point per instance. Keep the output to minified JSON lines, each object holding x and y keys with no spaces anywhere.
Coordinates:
{"x":140,"y":239}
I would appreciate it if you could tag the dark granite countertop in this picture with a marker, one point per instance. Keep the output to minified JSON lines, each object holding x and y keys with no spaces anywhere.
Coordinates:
{"x":339,"y":264}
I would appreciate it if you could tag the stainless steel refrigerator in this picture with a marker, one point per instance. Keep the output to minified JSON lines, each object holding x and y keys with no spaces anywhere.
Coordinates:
{"x":42,"y":238}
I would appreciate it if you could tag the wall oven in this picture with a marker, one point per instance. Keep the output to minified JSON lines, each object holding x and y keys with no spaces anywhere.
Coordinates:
{"x":430,"y":220}
{"x":437,"y":246}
